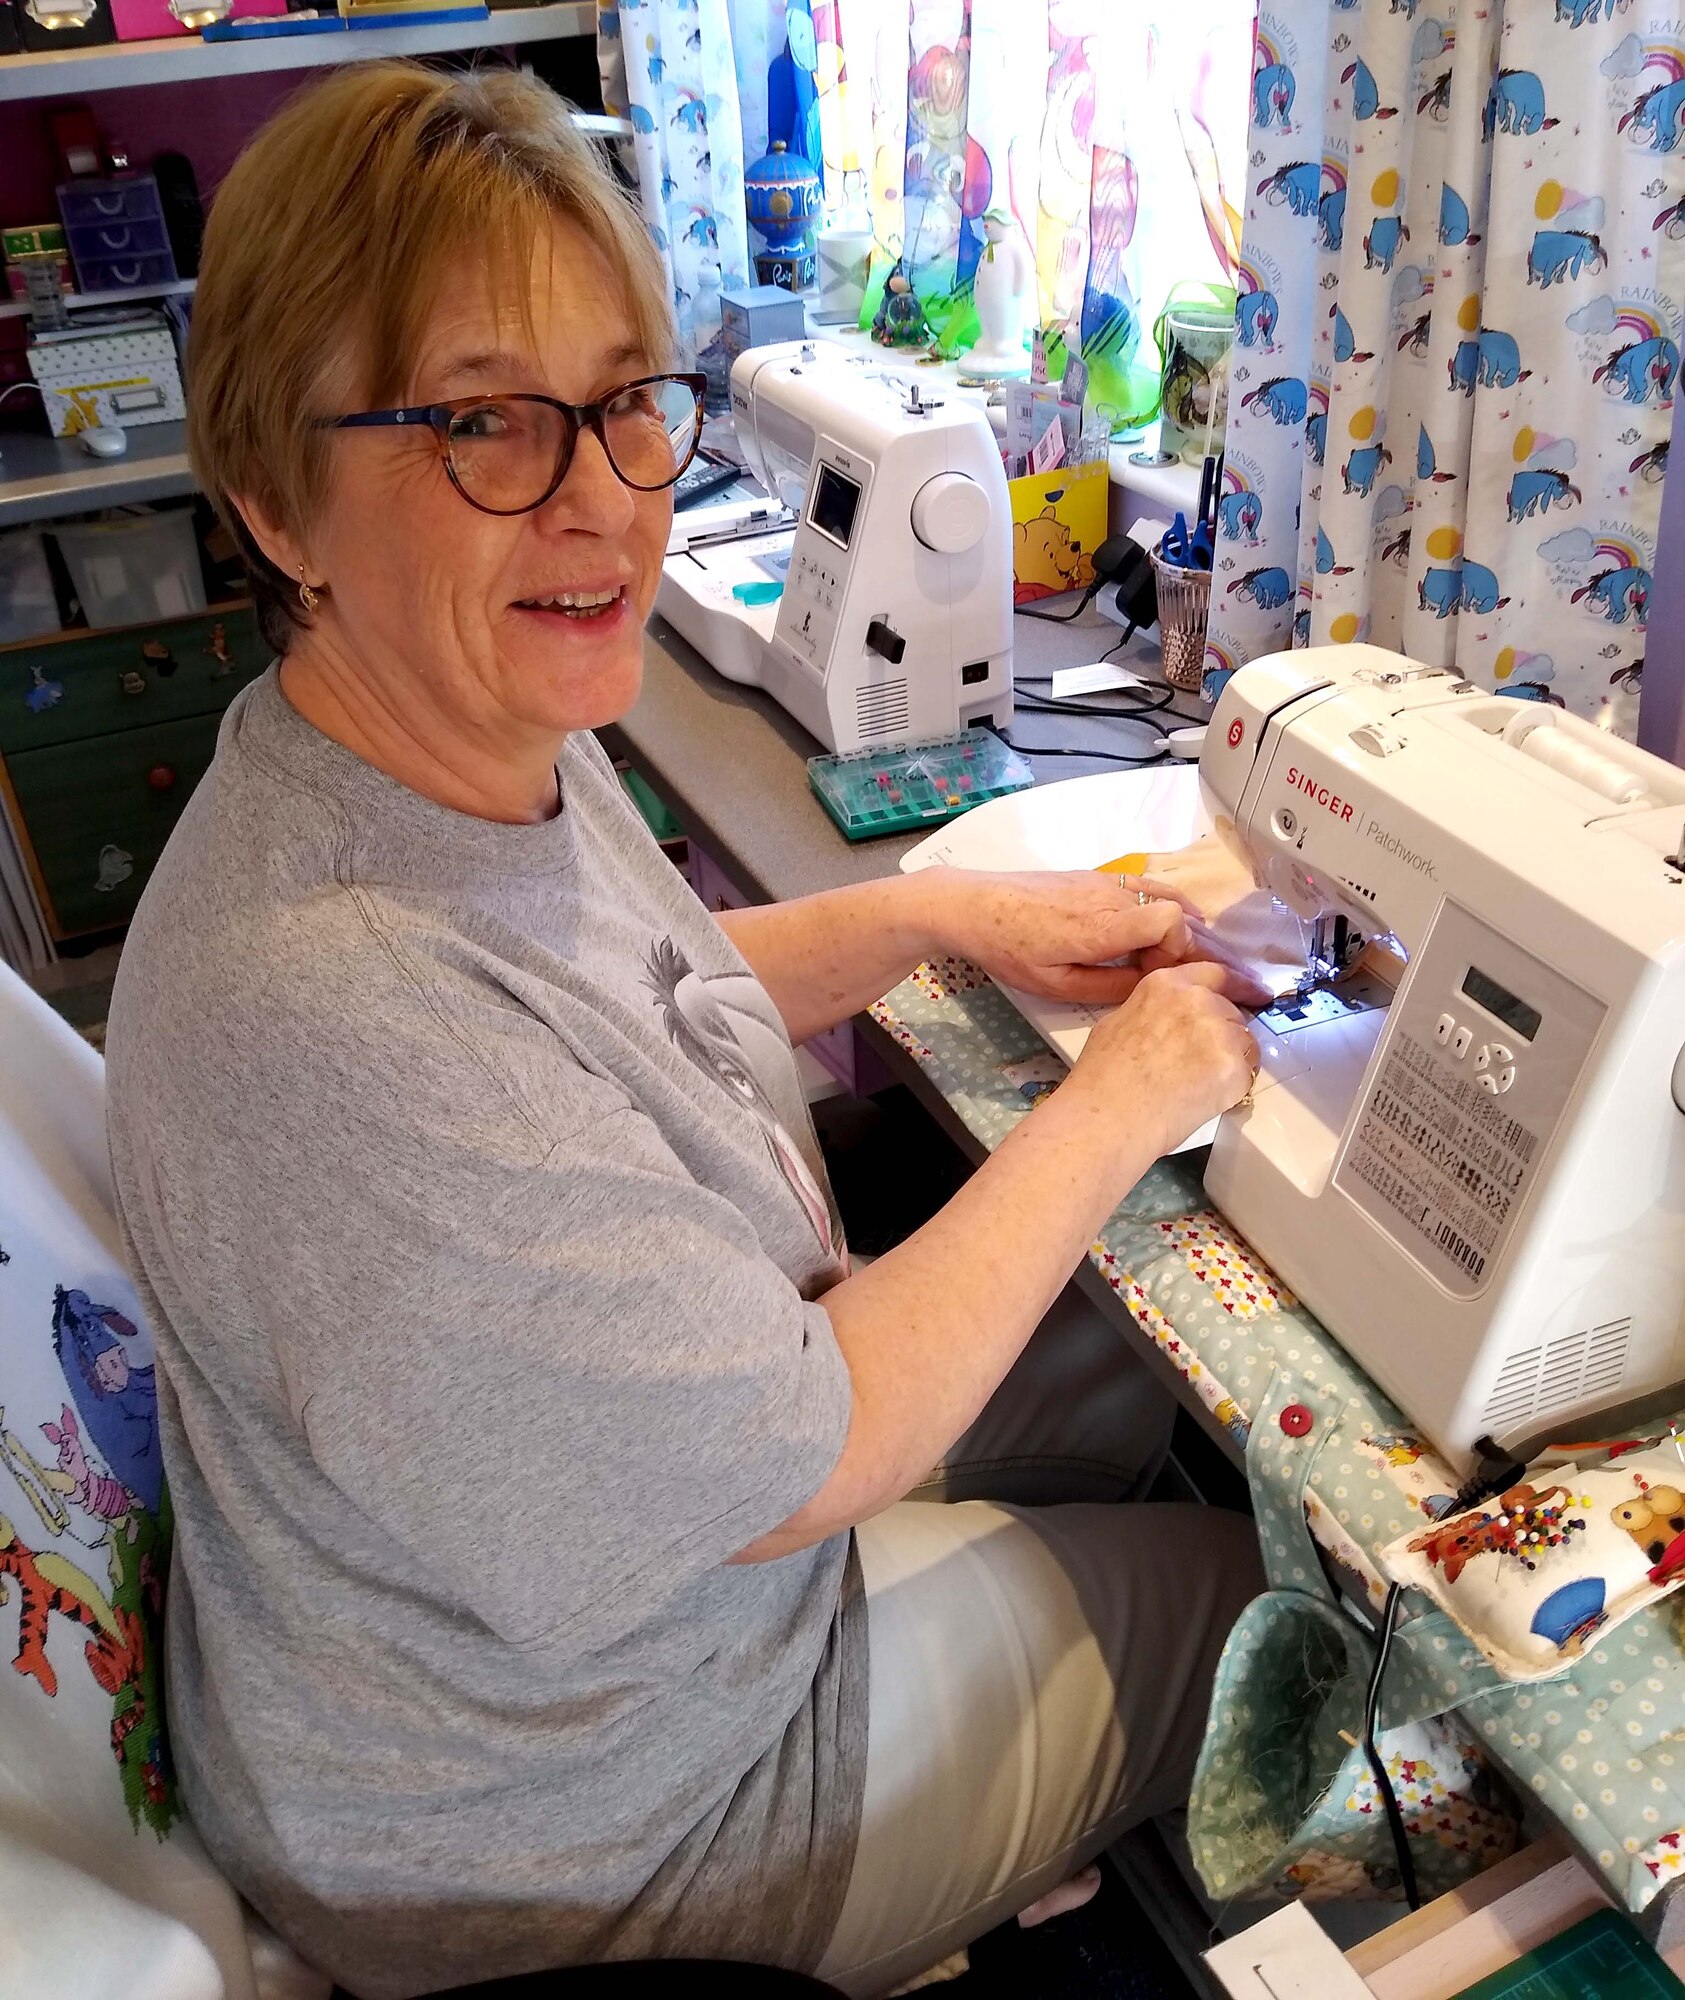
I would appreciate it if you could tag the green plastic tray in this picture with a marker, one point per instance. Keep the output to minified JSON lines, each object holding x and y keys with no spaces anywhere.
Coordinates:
{"x":917,"y":785}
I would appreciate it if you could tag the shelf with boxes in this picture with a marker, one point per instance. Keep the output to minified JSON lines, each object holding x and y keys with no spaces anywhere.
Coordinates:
{"x":116,"y":65}
{"x":105,"y":731}
{"x":176,"y":288}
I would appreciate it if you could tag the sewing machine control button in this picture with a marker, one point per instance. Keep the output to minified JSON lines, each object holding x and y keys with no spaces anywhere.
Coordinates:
{"x":1296,"y":1420}
{"x":1377,"y":739}
{"x":1488,"y":1082}
{"x":1443,"y":1028}
{"x":1460,"y":1042}
{"x":1483,"y":1057}
{"x":883,"y":639}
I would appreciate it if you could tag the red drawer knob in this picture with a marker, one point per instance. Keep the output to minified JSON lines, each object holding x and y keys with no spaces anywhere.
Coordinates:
{"x":161,"y":778}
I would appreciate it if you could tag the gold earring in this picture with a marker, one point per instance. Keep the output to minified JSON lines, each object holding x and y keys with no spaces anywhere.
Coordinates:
{"x":308,"y":595}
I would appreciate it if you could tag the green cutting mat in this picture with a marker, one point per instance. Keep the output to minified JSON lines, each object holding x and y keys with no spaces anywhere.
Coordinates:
{"x":1602,"y":1958}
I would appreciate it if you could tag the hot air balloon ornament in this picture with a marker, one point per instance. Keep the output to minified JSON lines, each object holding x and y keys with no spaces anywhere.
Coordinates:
{"x":783,"y":195}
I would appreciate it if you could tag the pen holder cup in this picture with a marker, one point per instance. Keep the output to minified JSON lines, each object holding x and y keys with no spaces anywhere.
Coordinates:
{"x":1184,"y":603}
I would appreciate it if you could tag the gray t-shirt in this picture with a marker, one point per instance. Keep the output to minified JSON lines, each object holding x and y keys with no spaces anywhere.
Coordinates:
{"x":467,"y":1177}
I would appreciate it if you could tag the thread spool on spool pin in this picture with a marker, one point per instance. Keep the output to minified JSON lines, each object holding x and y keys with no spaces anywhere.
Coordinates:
{"x":1540,"y":736}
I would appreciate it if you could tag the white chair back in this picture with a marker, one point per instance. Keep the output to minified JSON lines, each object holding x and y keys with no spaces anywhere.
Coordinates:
{"x":122,"y":1899}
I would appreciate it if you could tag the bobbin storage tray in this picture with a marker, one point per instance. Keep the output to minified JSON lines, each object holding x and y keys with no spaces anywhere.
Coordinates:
{"x":880,"y":791}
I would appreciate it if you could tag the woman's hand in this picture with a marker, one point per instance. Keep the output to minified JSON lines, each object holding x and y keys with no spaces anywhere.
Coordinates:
{"x":1210,"y":873}
{"x":1079,"y":935}
{"x":1176,"y":1053}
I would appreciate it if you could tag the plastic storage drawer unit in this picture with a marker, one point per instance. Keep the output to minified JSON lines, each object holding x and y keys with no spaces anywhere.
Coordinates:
{"x":118,"y":241}
{"x":130,"y":198}
{"x":126,"y":274}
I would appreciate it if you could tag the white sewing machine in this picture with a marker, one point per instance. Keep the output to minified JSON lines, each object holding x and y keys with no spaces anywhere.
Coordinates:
{"x":1471,"y":1166}
{"x":895,"y":623}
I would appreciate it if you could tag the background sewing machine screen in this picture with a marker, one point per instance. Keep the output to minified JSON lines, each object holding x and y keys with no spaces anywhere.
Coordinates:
{"x":835,"y":502}
{"x":1501,"y":1004}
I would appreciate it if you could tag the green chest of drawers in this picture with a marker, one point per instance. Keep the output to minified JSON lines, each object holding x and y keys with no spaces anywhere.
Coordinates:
{"x":96,"y":780}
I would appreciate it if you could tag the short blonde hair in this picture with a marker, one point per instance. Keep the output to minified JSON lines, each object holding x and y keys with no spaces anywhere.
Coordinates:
{"x":325,"y":251}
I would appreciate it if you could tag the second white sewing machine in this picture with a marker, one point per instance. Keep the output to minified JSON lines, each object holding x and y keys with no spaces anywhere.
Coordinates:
{"x":895,"y":620}
{"x":1471,"y":1164}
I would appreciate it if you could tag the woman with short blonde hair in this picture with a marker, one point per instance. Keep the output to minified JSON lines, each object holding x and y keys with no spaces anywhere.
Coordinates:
{"x":543,"y":1589}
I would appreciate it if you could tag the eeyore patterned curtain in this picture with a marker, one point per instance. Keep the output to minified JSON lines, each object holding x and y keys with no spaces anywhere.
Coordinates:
{"x":669,"y":66}
{"x":1458,"y":339}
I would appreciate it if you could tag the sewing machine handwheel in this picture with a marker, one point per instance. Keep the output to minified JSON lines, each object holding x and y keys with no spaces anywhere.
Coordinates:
{"x":950,"y":513}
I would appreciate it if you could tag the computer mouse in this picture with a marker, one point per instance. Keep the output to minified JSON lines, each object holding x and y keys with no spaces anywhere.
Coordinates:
{"x":104,"y":441}
{"x":1186,"y":743}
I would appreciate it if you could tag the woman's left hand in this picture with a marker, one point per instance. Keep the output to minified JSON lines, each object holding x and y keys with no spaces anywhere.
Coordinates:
{"x":1078,"y":935}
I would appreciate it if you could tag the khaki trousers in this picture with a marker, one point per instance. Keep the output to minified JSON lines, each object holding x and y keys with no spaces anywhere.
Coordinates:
{"x":1040,"y":1656}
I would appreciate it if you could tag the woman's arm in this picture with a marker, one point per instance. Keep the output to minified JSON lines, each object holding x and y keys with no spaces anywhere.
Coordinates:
{"x":825,"y":957}
{"x":930,"y":1329}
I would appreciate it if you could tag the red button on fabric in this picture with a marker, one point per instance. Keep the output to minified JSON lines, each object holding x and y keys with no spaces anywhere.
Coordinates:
{"x":1296,"y":1420}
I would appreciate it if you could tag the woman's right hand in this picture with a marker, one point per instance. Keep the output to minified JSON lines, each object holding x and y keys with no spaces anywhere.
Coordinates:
{"x":1177,"y":1052}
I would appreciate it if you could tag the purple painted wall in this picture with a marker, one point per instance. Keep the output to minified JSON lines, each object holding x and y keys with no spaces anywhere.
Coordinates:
{"x":209,"y":121}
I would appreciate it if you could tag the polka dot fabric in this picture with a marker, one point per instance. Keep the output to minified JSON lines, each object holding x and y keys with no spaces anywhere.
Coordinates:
{"x":1584,"y":1745}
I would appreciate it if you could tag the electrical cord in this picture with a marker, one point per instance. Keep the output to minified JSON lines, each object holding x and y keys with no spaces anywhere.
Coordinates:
{"x":1145,"y":716}
{"x":1163,"y":706}
{"x":1145,"y":712}
{"x":1056,"y":750}
{"x":1496,"y":1471}
{"x":1057,"y":617}
{"x":1377,"y":1768}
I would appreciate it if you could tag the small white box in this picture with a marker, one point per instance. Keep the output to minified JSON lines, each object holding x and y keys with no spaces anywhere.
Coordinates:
{"x":1289,"y":1956}
{"x":112,"y":374}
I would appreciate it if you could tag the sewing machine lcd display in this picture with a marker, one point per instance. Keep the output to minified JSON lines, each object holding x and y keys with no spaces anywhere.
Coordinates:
{"x":836,"y":501}
{"x":1501,"y":1004}
{"x":822,"y":561}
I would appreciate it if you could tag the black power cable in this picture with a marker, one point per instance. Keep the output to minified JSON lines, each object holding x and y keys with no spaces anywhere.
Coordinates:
{"x":1496,"y":1471}
{"x":1095,"y":756}
{"x":1377,"y":1769}
{"x":1060,"y":617}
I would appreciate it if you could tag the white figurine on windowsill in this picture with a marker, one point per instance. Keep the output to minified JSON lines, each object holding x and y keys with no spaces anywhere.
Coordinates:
{"x":1002,"y":288}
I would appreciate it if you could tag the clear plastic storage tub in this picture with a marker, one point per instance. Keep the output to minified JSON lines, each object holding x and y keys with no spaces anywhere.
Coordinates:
{"x":131,"y":568}
{"x":28,"y":607}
